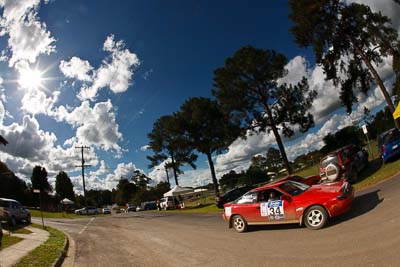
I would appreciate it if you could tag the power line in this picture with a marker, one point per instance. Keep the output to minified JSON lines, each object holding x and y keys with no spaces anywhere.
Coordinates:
{"x":83,"y":165}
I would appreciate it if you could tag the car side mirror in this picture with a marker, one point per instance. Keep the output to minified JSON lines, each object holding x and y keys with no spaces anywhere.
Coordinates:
{"x":285,"y":197}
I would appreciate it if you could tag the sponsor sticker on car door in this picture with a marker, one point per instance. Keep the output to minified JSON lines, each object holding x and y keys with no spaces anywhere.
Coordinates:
{"x":273,"y":210}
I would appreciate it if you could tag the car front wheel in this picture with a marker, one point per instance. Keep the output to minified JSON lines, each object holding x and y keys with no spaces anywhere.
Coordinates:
{"x":12,"y":221}
{"x":28,"y":219}
{"x":239,"y":224}
{"x":315,"y":217}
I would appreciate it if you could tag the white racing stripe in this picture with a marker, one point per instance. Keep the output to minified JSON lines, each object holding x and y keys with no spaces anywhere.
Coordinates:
{"x":86,"y":226}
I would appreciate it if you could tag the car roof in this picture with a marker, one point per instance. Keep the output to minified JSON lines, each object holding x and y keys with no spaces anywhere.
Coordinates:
{"x":8,"y":199}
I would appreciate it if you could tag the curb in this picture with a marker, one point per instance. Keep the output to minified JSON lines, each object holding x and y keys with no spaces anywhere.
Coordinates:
{"x":61,"y":258}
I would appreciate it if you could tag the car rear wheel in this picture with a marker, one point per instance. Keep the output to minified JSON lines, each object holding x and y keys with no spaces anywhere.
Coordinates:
{"x":315,"y":217}
{"x":28,"y":219}
{"x":239,"y":224}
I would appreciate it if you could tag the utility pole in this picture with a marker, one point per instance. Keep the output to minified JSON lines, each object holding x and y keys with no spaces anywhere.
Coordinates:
{"x":83,"y":169}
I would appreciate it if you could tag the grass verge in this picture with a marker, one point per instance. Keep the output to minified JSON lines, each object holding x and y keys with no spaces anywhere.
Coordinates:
{"x":9,"y":241}
{"x":62,"y":215}
{"x":47,"y":253}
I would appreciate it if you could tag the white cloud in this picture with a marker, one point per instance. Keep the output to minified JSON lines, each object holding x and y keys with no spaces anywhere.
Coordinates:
{"x":115,"y":72}
{"x":96,"y":126}
{"x":123,"y":170}
{"x":36,"y":102}
{"x":76,"y":68}
{"x":144,"y":148}
{"x":28,"y":140}
{"x":28,"y":37}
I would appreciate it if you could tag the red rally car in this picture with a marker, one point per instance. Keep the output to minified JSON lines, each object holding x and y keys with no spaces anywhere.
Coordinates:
{"x":289,"y":201}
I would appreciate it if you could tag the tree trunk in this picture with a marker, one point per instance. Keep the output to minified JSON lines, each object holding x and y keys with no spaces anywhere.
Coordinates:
{"x":278,"y":140}
{"x":174,"y":168}
{"x":214,"y":177}
{"x":377,"y":79}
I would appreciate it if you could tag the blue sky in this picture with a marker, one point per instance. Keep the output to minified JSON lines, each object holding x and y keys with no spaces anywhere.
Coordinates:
{"x":109,"y":69}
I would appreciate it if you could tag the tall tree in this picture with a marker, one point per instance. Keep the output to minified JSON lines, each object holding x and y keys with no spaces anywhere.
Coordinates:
{"x":39,"y":179}
{"x":64,"y":187}
{"x":349,"y":40}
{"x":168,"y":142}
{"x":274,"y":160}
{"x":207,"y":129}
{"x":140,"y":179}
{"x":247,"y":89}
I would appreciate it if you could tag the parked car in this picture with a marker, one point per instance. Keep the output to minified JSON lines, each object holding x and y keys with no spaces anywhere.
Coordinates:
{"x":149,"y":205}
{"x":167,"y":203}
{"x":344,"y":163}
{"x":87,"y":211}
{"x":292,"y":202}
{"x":389,"y":144}
{"x":14,"y":211}
{"x":231,"y":195}
{"x":130,"y":208}
{"x":106,"y":211}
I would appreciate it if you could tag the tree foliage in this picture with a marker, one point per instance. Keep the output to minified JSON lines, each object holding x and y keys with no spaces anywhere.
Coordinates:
{"x":168,"y":142}
{"x":347,"y":39}
{"x":140,"y":179}
{"x":64,"y":187}
{"x":247,"y":90}
{"x":10,"y":185}
{"x":39,"y":179}
{"x":207,"y":130}
{"x":343,"y":137}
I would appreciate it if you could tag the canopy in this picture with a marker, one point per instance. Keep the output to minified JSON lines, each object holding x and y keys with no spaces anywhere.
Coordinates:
{"x":66,"y":201}
{"x":396,"y":113}
{"x":177,"y":190}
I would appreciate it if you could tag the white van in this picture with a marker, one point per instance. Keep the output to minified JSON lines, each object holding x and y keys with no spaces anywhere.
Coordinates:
{"x":167,"y":203}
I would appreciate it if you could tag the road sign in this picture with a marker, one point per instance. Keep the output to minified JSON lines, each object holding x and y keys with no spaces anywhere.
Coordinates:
{"x":365,"y":130}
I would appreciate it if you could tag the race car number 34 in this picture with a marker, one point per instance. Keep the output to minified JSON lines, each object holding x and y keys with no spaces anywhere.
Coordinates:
{"x":273,"y":209}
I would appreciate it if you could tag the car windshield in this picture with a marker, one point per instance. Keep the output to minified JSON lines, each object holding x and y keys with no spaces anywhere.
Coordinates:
{"x":329,"y":159}
{"x":294,"y":188}
{"x":391,"y":136}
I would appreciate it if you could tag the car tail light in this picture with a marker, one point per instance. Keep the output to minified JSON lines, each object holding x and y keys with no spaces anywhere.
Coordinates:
{"x":383,"y":149}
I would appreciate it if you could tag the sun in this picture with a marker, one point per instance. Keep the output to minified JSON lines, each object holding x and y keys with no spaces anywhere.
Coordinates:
{"x":30,"y":78}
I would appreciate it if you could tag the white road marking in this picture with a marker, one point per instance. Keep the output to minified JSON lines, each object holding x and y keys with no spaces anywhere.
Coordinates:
{"x":85,"y":227}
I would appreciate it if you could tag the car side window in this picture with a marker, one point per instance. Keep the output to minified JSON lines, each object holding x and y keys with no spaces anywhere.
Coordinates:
{"x":248,"y":198}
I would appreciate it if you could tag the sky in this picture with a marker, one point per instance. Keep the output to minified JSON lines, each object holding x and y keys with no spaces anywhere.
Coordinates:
{"x":100,"y":73}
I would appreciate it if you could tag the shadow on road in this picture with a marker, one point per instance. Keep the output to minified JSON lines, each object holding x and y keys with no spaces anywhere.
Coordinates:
{"x":362,"y":204}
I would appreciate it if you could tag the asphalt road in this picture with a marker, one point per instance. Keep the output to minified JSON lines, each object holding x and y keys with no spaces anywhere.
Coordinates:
{"x":367,"y":236}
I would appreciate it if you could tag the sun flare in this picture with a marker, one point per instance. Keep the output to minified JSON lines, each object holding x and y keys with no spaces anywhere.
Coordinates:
{"x":30,"y":79}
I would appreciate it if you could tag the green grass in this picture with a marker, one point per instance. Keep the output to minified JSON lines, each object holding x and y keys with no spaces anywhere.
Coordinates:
{"x":9,"y":241}
{"x":47,"y":253}
{"x":62,"y":215}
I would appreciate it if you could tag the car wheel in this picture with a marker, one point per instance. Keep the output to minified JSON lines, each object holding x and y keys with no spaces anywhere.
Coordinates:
{"x":28,"y":219}
{"x":315,"y":217}
{"x":12,"y":222}
{"x":239,"y":224}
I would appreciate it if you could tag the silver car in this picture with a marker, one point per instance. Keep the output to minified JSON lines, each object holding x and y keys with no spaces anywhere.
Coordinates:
{"x":14,"y":212}
{"x":87,"y":211}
